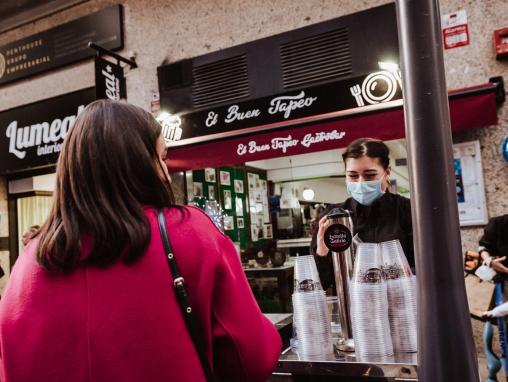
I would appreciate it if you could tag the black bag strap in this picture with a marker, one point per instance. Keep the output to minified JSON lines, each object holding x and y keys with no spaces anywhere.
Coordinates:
{"x":181,"y":293}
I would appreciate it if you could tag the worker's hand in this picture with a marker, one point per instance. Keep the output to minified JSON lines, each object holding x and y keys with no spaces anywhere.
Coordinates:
{"x":321,"y":249}
{"x":497,"y":265}
{"x":487,"y":314}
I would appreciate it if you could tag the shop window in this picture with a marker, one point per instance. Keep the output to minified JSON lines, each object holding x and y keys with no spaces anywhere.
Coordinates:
{"x":32,"y":210}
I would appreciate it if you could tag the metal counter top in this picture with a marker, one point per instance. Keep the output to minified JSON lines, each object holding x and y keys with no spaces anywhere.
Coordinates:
{"x":280,"y":320}
{"x":400,"y":367}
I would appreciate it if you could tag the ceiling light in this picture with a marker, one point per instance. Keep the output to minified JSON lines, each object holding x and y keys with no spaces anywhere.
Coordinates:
{"x":308,"y":194}
{"x":388,"y":65}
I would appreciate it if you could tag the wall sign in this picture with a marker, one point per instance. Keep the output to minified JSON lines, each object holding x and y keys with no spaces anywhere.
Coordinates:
{"x":62,"y":45}
{"x":31,"y":136}
{"x":455,"y":31}
{"x":283,"y":142}
{"x":375,"y":88}
{"x":469,"y":183}
{"x":109,"y":80}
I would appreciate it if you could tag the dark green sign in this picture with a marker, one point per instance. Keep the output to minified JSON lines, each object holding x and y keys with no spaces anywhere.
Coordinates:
{"x":62,"y":45}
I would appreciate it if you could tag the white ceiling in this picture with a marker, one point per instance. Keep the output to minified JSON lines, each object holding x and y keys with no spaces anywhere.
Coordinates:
{"x":325,"y":164}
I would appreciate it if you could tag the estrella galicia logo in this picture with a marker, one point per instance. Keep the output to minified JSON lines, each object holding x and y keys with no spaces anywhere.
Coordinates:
{"x":338,"y":238}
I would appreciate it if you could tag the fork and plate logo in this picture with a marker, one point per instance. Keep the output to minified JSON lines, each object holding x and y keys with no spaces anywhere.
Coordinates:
{"x":377,"y":87}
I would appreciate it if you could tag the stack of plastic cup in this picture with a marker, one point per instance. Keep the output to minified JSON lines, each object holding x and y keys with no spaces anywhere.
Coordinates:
{"x":401,"y":289}
{"x":369,"y":304}
{"x":310,"y":312}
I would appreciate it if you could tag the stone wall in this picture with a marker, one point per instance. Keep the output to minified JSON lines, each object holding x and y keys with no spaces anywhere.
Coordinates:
{"x":475,"y":64}
{"x":173,"y":30}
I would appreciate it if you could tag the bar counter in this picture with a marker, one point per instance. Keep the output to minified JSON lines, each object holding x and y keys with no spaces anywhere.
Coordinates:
{"x":346,"y":366}
{"x":398,"y":368}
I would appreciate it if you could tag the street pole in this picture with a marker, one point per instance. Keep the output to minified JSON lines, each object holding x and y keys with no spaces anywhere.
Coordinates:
{"x":446,"y":350}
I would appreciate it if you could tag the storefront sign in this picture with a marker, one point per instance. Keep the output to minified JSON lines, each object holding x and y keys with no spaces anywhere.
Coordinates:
{"x":375,"y":88}
{"x":284,"y":142}
{"x":109,"y":80}
{"x":455,"y":31}
{"x":61,"y":45}
{"x":467,"y":111}
{"x":31,"y":136}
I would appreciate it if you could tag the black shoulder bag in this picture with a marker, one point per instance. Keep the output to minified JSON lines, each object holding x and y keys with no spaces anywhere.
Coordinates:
{"x":181,"y":293}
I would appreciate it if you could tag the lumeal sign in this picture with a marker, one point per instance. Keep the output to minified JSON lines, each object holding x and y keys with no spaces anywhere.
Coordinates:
{"x":223,"y":121}
{"x":62,"y":45}
{"x":109,"y":80}
{"x":31,"y":136}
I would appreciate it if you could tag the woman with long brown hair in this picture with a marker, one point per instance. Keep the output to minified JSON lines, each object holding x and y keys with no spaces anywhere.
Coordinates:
{"x":92,"y":298}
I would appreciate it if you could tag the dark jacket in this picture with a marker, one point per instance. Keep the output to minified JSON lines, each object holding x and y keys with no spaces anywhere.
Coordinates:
{"x":495,"y":237}
{"x":388,"y":218}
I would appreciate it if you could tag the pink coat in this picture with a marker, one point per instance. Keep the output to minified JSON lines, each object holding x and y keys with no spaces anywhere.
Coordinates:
{"x":123,"y":323}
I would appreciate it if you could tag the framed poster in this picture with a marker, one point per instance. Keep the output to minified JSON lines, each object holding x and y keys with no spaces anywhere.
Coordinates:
{"x":210,"y":175}
{"x":238,"y":186}
{"x":198,"y":189}
{"x":239,"y":206}
{"x":227,"y":200}
{"x":229,"y":223}
{"x":469,"y":183}
{"x":225,"y":178}
{"x":240,"y":223}
{"x":211,"y":192}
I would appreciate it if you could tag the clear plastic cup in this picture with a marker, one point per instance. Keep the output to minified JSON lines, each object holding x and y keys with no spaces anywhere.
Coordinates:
{"x":367,"y":268}
{"x":395,"y":264}
{"x":306,"y":274}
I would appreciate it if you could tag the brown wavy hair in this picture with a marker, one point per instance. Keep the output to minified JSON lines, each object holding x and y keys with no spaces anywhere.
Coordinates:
{"x":107,"y":171}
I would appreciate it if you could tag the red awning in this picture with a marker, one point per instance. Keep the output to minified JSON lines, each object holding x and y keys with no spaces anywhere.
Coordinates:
{"x":469,"y":108}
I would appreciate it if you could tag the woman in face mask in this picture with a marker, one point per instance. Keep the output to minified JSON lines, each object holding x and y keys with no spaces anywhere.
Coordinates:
{"x":377,"y":214}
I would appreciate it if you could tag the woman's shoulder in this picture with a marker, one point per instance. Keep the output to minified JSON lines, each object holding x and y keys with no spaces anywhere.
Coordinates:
{"x":400,"y":198}
{"x":500,"y":221}
{"x":400,"y":202}
{"x":189,"y":219}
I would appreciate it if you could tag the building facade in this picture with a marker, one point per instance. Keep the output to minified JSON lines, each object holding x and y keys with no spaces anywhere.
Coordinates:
{"x":159,"y":31}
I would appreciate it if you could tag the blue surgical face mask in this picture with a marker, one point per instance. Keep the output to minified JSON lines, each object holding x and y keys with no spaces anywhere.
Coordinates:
{"x":367,"y":192}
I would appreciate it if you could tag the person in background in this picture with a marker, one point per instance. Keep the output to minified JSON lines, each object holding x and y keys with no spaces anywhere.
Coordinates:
{"x":377,"y":214}
{"x":91,"y":297}
{"x":29,"y":234}
{"x":493,"y":247}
